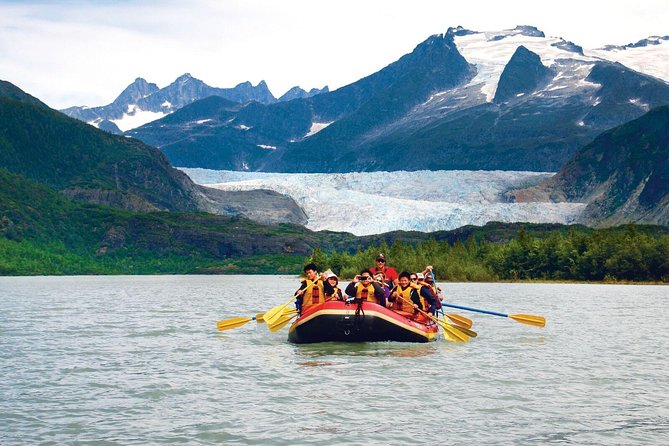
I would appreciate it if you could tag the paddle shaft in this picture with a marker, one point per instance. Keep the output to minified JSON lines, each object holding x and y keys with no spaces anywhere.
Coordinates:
{"x":460,"y":307}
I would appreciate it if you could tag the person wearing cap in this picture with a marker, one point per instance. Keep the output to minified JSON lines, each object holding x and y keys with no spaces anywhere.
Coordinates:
{"x":311,"y":291}
{"x":331,"y":287}
{"x":363,"y":288}
{"x":389,"y":271}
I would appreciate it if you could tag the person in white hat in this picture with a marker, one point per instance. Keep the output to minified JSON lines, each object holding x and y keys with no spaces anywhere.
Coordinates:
{"x":331,"y":287}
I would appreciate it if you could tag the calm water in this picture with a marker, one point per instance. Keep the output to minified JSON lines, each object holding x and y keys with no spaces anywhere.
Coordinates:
{"x":138,"y":360}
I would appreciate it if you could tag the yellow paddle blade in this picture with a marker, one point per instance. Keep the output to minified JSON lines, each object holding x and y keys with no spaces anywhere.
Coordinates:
{"x":234,"y":322}
{"x":454,"y":332}
{"x":450,"y":337}
{"x":469,"y":332}
{"x":273,"y":314}
{"x":282,"y":322}
{"x":460,"y":320}
{"x":529,"y":319}
{"x":259,"y":317}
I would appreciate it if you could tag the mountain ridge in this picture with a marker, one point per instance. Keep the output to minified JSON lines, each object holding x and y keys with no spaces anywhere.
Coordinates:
{"x":623,"y":175}
{"x":378,"y":122}
{"x":90,"y":165}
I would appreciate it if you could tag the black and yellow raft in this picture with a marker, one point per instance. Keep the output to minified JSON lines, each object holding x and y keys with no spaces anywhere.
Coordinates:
{"x":339,"y":321}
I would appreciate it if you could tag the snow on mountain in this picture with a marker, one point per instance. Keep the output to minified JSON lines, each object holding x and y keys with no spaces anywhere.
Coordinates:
{"x":491,"y":51}
{"x":377,"y":202}
{"x":136,"y":117}
{"x":647,"y":56}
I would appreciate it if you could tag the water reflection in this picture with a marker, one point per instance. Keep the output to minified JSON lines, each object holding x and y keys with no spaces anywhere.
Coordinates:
{"x":365,"y":349}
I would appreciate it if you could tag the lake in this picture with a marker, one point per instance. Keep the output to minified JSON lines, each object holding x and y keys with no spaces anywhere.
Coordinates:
{"x":138,"y":360}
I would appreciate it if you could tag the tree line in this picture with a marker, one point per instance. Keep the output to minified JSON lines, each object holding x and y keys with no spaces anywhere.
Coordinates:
{"x":621,"y":254}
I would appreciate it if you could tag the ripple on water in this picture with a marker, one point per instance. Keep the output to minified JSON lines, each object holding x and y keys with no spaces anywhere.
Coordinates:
{"x":137,"y":360}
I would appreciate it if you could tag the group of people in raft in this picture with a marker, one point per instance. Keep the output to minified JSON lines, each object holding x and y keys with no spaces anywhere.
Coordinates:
{"x":408,"y":294}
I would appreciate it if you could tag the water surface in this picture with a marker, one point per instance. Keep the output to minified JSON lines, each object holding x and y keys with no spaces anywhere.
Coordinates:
{"x":138,"y":360}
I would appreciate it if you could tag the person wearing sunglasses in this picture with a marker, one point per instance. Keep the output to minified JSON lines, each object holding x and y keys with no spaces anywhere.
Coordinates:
{"x":388,"y":271}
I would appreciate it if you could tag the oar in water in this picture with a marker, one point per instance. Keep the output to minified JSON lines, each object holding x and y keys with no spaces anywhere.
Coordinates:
{"x":273,"y":314}
{"x":282,"y":321}
{"x":529,"y":319}
{"x":270,"y":316}
{"x":235,"y":322}
{"x":460,"y":321}
{"x":454,"y":333}
{"x":467,"y":331}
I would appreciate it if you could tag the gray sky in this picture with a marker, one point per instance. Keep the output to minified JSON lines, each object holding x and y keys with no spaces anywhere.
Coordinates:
{"x":85,"y":52}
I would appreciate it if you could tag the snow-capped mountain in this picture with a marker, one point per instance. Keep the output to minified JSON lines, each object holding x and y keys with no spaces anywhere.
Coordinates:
{"x":378,"y":202}
{"x":508,"y":100}
{"x":142,"y":102}
{"x":647,"y":56}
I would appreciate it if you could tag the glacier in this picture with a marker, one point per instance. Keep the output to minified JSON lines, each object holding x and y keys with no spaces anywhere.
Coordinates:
{"x":365,"y":203}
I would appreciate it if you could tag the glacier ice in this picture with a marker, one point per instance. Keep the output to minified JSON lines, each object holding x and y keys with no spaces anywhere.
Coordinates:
{"x":364,"y":203}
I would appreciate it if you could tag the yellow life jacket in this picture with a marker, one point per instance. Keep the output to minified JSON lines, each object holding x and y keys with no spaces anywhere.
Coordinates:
{"x":313,"y":294}
{"x":366,"y":293}
{"x":336,"y":294}
{"x":423,"y":302}
{"x":403,"y":302}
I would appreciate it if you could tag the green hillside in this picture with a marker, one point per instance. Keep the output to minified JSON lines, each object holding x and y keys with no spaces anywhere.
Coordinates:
{"x":70,"y":156}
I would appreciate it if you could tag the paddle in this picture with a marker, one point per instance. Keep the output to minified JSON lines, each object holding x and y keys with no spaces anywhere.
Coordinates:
{"x":461,"y":321}
{"x":282,"y":321}
{"x":235,"y":322}
{"x":454,"y":332}
{"x":270,"y":316}
{"x":528,"y":319}
{"x":273,"y":314}
{"x":467,"y":331}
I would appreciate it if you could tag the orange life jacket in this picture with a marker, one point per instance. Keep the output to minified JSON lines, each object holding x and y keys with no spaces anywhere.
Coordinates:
{"x":403,"y":303}
{"x":313,"y":294}
{"x":366,"y":293}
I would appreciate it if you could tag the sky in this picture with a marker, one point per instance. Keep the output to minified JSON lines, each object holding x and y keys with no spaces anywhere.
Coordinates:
{"x":79,"y":52}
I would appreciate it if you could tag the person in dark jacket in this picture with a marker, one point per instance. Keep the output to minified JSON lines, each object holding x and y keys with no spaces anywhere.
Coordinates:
{"x":363,"y":288}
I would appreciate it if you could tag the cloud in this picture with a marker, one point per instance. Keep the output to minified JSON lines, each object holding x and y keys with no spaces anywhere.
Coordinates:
{"x":82,"y":52}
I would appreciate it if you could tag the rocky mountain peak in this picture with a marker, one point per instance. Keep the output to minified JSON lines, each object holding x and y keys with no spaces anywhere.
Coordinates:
{"x":139,"y":89}
{"x":522,"y":75}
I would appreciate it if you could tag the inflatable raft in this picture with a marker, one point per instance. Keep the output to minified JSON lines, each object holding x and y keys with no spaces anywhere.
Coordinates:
{"x":339,"y":321}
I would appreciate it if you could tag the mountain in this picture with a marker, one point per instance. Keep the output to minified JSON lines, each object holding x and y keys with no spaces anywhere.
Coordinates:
{"x":256,"y":136}
{"x":648,"y":55}
{"x":623,"y":175}
{"x":63,"y":236}
{"x":298,"y":93}
{"x":143,"y":102}
{"x":87,"y":164}
{"x":507,"y":100}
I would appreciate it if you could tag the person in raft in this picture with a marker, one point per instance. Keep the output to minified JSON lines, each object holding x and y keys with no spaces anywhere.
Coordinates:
{"x":408,"y":297}
{"x":311,"y":292}
{"x":436,"y":289}
{"x":331,"y":287}
{"x":380,"y":278}
{"x":388,"y":271}
{"x":364,"y":289}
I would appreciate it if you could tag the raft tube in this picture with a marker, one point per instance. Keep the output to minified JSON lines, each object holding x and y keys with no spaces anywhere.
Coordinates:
{"x":339,"y":321}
